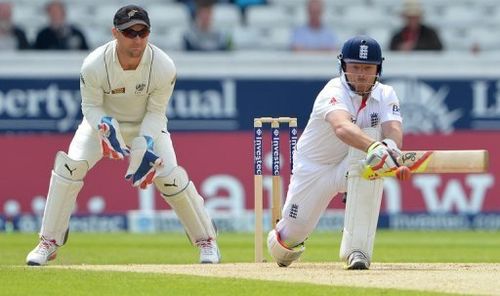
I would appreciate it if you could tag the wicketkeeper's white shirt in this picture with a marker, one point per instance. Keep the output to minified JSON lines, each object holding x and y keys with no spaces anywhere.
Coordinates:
{"x":319,"y":144}
{"x":134,"y":98}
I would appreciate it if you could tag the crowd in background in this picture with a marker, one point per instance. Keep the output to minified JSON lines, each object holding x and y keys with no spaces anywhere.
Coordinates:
{"x":313,"y":35}
{"x":59,"y":34}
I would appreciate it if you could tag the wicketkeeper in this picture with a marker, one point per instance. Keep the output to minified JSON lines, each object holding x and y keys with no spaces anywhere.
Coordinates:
{"x":125,"y":85}
{"x":355,"y":123}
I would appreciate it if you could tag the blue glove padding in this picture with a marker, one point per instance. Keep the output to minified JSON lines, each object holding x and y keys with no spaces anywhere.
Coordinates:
{"x":144,"y":163}
{"x":112,"y":142}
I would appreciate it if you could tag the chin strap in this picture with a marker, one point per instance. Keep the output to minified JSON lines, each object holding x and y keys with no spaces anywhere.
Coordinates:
{"x":365,"y":93}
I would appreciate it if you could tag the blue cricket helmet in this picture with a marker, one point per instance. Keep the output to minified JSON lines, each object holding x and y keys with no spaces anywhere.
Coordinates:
{"x":361,"y":49}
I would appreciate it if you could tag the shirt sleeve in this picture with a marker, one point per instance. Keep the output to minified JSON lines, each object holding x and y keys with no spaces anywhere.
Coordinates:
{"x":155,"y":119}
{"x":330,"y":100}
{"x":390,"y":107}
{"x":92,"y":96}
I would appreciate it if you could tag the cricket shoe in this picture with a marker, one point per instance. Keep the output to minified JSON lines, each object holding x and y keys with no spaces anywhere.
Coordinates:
{"x":209,"y":252}
{"x":43,"y":253}
{"x":357,"y":260}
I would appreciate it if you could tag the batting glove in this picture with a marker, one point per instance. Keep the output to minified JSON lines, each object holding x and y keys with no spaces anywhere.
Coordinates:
{"x":112,"y":143}
{"x":393,"y":148}
{"x":144,"y":163}
{"x":380,"y":159}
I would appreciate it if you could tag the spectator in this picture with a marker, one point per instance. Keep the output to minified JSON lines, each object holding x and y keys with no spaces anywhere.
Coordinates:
{"x":202,"y":36}
{"x":415,"y":35}
{"x":11,"y":36}
{"x":314,"y":36}
{"x":190,"y":4}
{"x":59,"y":35}
{"x":244,"y":4}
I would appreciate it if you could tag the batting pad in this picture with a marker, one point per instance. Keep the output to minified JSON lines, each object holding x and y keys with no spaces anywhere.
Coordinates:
{"x":65,"y":184}
{"x":362,"y":206}
{"x":284,"y":256}
{"x":179,"y":192}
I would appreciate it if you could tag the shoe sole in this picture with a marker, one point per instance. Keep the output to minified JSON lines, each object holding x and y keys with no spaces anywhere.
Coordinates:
{"x":358,"y":266}
{"x":212,"y":262}
{"x":51,"y":257}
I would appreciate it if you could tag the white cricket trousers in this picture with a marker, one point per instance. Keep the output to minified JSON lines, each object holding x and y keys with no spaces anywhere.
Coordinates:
{"x":312,"y":187}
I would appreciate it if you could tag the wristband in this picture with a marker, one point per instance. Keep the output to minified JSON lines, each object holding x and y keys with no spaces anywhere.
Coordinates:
{"x":372,"y":146}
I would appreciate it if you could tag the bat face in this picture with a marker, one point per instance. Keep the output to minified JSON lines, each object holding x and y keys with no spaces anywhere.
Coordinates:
{"x":445,"y":161}
{"x":414,"y":160}
{"x":438,"y":161}
{"x":409,"y":157}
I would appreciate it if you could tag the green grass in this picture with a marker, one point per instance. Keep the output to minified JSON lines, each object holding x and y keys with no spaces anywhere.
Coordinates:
{"x":174,"y":248}
{"x":449,"y":247}
{"x":39,"y":281}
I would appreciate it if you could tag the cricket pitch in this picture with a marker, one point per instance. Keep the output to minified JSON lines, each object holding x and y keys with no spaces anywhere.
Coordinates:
{"x":462,"y":278}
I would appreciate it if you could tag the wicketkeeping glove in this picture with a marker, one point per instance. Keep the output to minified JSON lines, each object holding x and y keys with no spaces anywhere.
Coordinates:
{"x":144,"y":163}
{"x":112,"y":143}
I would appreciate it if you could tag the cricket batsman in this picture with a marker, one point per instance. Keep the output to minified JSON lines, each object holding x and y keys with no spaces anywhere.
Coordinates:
{"x":126,"y":85}
{"x":355,"y":123}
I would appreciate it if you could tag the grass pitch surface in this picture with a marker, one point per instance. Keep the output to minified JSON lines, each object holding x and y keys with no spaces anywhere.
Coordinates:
{"x":124,"y":249}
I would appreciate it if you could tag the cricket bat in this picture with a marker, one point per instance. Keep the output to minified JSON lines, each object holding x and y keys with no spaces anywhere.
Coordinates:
{"x":439,"y":161}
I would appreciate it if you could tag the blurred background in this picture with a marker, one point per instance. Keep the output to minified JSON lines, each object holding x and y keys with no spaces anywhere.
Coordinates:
{"x":241,"y":59}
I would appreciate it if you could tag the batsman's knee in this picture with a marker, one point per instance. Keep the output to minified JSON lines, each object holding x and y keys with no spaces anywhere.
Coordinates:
{"x":283,"y":255}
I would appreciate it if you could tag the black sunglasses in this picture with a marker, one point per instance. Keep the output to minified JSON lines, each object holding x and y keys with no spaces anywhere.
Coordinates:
{"x":131,"y":33}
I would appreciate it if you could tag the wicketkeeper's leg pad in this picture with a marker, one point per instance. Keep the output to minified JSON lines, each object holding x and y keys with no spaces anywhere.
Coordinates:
{"x":362,"y":206}
{"x":65,"y":183}
{"x":282,"y":254}
{"x":180,"y":193}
